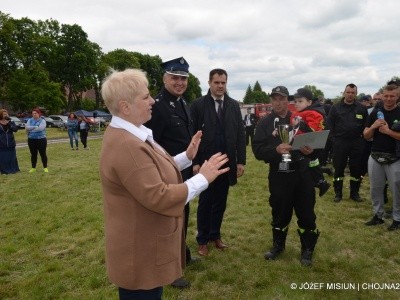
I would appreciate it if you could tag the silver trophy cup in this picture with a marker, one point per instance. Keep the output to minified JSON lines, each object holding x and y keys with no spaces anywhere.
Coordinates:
{"x":283,"y":131}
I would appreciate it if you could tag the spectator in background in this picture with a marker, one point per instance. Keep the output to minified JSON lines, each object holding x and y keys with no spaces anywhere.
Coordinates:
{"x":368,"y":142}
{"x":72,"y":126}
{"x":377,"y":98}
{"x":219,"y":118}
{"x":37,"y":141}
{"x":384,"y":162}
{"x":249,"y":121}
{"x":326,"y":157}
{"x":8,"y":154}
{"x":83,"y":128}
{"x":144,"y":194}
{"x":366,"y":100}
{"x":346,"y":120}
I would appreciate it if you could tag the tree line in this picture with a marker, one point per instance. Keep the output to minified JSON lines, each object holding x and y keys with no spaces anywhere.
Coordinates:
{"x":51,"y":65}
{"x":255,"y":94}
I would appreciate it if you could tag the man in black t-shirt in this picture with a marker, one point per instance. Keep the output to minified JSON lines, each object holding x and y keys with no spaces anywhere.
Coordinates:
{"x":384,"y":164}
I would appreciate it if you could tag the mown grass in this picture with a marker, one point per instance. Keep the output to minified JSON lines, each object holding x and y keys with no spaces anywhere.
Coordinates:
{"x":51,"y":133}
{"x":52,"y":240}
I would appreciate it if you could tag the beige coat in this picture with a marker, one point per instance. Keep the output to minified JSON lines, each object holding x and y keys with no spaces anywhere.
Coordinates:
{"x":144,"y":200}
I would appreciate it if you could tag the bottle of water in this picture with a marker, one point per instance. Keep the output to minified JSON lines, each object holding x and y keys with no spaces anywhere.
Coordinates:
{"x":380,"y":115}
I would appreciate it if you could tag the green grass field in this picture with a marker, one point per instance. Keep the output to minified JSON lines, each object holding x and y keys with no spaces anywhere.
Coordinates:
{"x":52,"y":240}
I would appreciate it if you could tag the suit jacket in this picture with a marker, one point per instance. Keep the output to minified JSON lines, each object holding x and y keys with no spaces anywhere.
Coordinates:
{"x":144,"y":200}
{"x":205,"y":118}
{"x":253,"y":120}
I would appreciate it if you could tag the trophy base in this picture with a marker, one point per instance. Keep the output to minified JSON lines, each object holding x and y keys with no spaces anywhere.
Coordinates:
{"x":284,"y":166}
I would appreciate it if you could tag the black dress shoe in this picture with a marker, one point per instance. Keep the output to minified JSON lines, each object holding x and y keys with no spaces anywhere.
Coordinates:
{"x":181,"y":283}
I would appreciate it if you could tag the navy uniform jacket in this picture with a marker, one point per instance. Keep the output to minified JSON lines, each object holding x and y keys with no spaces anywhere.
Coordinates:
{"x":171,"y":125}
{"x":205,"y":118}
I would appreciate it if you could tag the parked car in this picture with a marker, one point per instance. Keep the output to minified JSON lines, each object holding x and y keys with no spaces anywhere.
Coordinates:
{"x":60,"y":118}
{"x":53,"y":123}
{"x":18,"y":122}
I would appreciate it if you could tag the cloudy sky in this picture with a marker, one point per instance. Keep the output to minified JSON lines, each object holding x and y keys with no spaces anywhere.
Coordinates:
{"x":325,"y":43}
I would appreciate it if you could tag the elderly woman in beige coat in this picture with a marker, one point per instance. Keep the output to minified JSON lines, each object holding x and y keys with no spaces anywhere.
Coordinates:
{"x":144,"y":196}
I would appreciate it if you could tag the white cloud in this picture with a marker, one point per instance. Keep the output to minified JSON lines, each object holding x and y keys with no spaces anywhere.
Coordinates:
{"x":294,"y":42}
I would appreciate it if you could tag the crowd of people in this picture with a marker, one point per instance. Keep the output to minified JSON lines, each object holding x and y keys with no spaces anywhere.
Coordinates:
{"x":160,"y":154}
{"x":35,"y":129}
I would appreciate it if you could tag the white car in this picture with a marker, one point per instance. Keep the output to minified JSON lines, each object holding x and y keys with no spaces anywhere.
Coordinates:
{"x":18,"y":122}
{"x":60,"y":118}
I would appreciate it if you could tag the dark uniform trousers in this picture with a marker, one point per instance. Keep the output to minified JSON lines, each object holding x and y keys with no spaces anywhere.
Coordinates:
{"x":350,"y":150}
{"x":293,"y":191}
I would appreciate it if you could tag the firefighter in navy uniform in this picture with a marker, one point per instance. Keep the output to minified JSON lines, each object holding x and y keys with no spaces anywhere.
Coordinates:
{"x":172,"y":125}
{"x":346,"y":120}
{"x":291,"y":186}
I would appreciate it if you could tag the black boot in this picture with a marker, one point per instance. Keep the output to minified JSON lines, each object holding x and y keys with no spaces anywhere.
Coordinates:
{"x":354,"y":189}
{"x":279,"y":241}
{"x":338,"y":187}
{"x":308,"y":241}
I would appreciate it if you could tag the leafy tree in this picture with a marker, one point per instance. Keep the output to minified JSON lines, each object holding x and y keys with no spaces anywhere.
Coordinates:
{"x":77,"y":64}
{"x":88,"y":104}
{"x":256,"y":95}
{"x":315,"y":91}
{"x":63,"y":57}
{"x":257,"y":87}
{"x":10,"y":52}
{"x":359,"y":96}
{"x":247,"y":95}
{"x":259,"y":97}
{"x":394,"y":78}
{"x":193,"y":90}
{"x":31,"y":87}
{"x":152,"y":66}
{"x":121,"y":59}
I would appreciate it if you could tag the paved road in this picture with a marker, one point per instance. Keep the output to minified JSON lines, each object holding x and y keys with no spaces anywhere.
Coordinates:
{"x":57,"y":141}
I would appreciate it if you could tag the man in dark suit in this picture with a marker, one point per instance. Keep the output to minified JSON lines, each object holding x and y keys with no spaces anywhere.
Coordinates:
{"x":249,"y":121}
{"x":220,"y":119}
{"x":172,"y":125}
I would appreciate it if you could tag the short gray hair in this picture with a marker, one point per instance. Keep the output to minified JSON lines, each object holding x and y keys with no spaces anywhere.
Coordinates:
{"x":121,"y":86}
